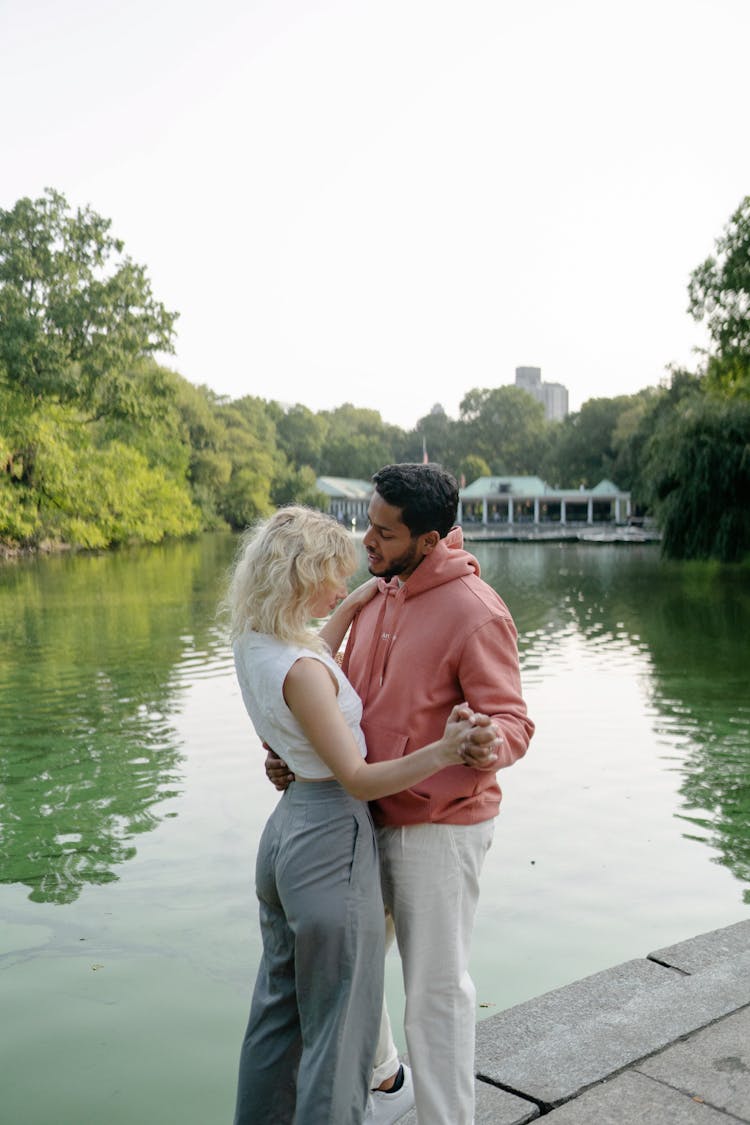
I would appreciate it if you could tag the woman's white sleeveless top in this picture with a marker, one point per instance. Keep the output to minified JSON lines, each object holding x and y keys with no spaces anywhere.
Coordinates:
{"x":262,"y":663}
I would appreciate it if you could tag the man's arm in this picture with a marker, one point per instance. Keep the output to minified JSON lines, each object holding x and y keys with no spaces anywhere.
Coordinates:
{"x":490,"y":678}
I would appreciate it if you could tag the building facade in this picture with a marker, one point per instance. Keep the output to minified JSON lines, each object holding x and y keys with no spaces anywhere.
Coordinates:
{"x":553,"y":396}
{"x":494,"y":501}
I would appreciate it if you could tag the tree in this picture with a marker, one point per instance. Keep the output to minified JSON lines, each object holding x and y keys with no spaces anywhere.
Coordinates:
{"x":61,"y":485}
{"x":506,"y":427}
{"x":719,"y":288}
{"x":728,"y":376}
{"x":640,"y":435}
{"x":249,"y":443}
{"x":696,"y":462}
{"x":76,"y":316}
{"x":301,"y":435}
{"x":583,"y":450}
{"x":358,"y":442}
{"x":700,"y":468}
{"x":628,"y":438}
{"x":437,"y":434}
{"x":472,"y":468}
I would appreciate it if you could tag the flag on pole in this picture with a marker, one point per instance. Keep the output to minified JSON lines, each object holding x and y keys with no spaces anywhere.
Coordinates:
{"x":425,"y":458}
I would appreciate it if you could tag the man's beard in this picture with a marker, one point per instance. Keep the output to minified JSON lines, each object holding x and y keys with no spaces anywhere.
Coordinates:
{"x":399,"y":565}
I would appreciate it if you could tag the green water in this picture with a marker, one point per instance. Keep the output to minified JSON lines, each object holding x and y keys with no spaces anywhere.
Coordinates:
{"x":132,"y":797}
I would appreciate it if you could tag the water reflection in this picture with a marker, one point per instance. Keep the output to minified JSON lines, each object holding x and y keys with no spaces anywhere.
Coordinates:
{"x":691,"y":623}
{"x":90,"y":672}
{"x":97,"y":652}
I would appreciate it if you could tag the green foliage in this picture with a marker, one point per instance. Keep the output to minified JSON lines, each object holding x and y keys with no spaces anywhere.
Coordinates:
{"x":298,"y":486}
{"x":248,"y":441}
{"x":694,"y":440}
{"x":64,"y":487}
{"x":302,"y":435}
{"x":76,"y":316}
{"x":357,"y":443}
{"x":699,"y":462}
{"x":583,"y":448}
{"x":627,"y":439}
{"x":729,"y":376}
{"x":506,"y":427}
{"x":440,"y":436}
{"x":719,"y":288}
{"x":117,"y":498}
{"x":91,"y":455}
{"x":472,"y":467}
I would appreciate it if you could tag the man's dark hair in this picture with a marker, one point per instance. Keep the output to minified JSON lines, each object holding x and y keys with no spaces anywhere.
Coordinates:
{"x":426,"y":494}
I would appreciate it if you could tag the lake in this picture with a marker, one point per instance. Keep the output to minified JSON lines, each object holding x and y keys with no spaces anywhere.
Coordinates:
{"x":132,"y":797}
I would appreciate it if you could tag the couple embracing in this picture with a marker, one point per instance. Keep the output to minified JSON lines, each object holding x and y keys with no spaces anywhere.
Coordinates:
{"x":388,"y":769}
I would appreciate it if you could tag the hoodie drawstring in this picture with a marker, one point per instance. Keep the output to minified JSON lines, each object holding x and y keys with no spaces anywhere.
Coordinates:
{"x":387,"y":591}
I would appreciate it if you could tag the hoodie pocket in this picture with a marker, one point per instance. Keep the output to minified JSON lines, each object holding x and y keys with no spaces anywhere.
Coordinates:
{"x":391,"y":745}
{"x":384,"y":744}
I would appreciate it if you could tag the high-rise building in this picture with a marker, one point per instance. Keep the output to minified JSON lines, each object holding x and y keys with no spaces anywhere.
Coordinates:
{"x":553,"y":396}
{"x":530,"y":379}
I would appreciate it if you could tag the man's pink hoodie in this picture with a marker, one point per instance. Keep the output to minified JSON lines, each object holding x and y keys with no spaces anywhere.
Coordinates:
{"x":418,"y":648}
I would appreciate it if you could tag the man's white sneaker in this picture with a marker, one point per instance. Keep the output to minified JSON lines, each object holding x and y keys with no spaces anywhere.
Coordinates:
{"x":385,"y":1108}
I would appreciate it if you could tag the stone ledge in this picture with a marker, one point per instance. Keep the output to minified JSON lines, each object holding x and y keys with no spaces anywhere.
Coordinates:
{"x":551,"y":1049}
{"x":712,"y":1065}
{"x":695,"y":954}
{"x":634,"y":1099}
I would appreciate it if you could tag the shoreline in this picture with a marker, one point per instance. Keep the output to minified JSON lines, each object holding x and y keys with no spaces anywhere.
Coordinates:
{"x":607,"y":533}
{"x":530,"y":533}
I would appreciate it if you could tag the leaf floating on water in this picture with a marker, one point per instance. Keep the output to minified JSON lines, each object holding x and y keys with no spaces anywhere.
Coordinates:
{"x":95,"y":968}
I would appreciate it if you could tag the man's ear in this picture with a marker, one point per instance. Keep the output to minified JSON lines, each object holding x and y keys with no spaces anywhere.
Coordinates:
{"x":429,"y":541}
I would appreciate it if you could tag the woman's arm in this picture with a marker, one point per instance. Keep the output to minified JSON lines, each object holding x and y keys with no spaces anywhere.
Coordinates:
{"x":334,"y":630}
{"x":333,"y":633}
{"x":310,"y":694}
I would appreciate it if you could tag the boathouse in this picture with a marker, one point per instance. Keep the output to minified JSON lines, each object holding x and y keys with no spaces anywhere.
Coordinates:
{"x":492,"y":501}
{"x":347,"y":499}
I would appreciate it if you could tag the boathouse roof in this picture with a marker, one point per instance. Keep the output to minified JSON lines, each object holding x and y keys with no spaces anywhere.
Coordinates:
{"x":504,"y":486}
{"x":531,"y":487}
{"x":345,"y":488}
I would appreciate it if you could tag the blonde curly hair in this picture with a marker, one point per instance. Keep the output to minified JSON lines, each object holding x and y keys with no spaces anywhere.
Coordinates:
{"x":281,"y":565}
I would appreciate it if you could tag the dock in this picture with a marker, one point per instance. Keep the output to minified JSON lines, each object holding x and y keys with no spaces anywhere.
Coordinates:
{"x":660,"y":1040}
{"x":557,"y":533}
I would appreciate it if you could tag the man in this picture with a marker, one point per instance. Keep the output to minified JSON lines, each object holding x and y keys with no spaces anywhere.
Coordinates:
{"x":435,"y":635}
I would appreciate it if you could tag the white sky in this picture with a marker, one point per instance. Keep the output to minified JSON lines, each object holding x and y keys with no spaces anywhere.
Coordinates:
{"x":389,"y":203}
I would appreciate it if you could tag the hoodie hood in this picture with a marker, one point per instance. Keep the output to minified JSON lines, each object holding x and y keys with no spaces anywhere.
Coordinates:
{"x":449,"y":560}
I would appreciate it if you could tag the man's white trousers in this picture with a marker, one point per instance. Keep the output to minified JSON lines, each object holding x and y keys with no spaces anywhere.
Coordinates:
{"x":430,"y":881}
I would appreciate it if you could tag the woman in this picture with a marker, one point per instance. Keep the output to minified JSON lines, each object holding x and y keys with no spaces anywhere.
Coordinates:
{"x":307,"y":1053}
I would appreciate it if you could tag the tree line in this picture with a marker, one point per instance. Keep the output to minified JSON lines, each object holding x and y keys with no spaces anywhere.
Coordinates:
{"x":100,"y":444}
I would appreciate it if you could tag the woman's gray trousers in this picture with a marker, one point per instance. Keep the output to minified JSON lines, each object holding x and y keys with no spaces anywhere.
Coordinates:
{"x":308,"y":1050}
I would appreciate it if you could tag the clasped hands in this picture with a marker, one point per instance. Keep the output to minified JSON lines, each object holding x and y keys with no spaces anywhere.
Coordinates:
{"x":481,"y":742}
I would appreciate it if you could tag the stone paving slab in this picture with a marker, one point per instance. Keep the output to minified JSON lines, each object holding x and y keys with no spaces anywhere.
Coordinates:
{"x":634,"y":1099}
{"x":554,"y":1047}
{"x":713,"y":1064}
{"x":697,"y":953}
{"x":493,"y":1107}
